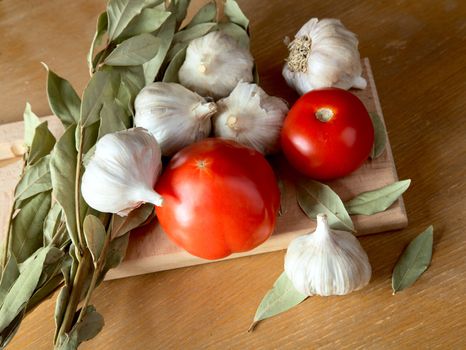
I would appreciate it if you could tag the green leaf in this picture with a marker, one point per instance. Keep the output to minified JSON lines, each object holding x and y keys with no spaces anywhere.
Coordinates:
{"x":194,"y":32}
{"x":9,"y":275}
{"x":36,"y":179}
{"x":63,"y":174}
{"x":124,"y":224}
{"x":180,"y":9}
{"x":121,"y":12}
{"x":165,"y":34}
{"x":67,"y":342}
{"x":112,"y":118}
{"x":101,"y":29}
{"x":413,"y":261}
{"x":42,"y":143}
{"x":9,"y":332}
{"x":60,"y":305}
{"x":235,"y":15}
{"x":91,"y":133}
{"x":115,"y":254}
{"x":63,"y":100}
{"x":171,"y":73}
{"x":207,"y":13}
{"x":148,"y":21}
{"x":23,"y":288}
{"x":371,"y":202}
{"x":90,"y":325}
{"x":380,"y":136}
{"x":282,"y":297}
{"x":315,"y":197}
{"x":134,"y":51}
{"x":31,"y":122}
{"x":26,"y":228}
{"x":125,"y":99}
{"x":236,"y":32}
{"x":99,"y":89}
{"x":94,"y":232}
{"x":45,"y":291}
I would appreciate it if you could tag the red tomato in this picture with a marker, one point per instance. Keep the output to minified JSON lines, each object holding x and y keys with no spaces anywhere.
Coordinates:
{"x":219,"y":197}
{"x":327,"y":134}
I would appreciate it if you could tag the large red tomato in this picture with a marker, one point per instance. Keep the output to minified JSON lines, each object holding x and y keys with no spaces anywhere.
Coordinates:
{"x":327,"y":134}
{"x":219,"y":197}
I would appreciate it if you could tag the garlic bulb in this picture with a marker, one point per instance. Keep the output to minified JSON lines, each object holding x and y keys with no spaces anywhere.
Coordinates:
{"x":214,"y":64}
{"x":323,"y":54}
{"x":327,"y":262}
{"x":175,"y":115}
{"x":122,"y":173}
{"x":251,"y":117}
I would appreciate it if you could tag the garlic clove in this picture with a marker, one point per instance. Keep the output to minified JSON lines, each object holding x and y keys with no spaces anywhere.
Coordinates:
{"x":251,"y":117}
{"x":174,"y":115}
{"x":122,"y":173}
{"x":323,"y":54}
{"x":327,"y":262}
{"x":214,"y":65}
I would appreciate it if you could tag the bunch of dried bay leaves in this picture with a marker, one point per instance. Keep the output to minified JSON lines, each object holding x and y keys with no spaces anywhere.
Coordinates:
{"x":54,"y":239}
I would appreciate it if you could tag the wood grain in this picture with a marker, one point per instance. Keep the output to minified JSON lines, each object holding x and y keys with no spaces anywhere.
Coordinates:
{"x":417,"y":51}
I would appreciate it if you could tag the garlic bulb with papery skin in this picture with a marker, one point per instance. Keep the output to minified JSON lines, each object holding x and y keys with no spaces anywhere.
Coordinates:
{"x":176,"y":116}
{"x":251,"y":117}
{"x":327,"y":262}
{"x":323,"y":54}
{"x":122,"y":173}
{"x":214,"y":64}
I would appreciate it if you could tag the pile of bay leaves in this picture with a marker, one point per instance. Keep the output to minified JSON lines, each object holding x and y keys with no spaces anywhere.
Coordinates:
{"x":54,"y":239}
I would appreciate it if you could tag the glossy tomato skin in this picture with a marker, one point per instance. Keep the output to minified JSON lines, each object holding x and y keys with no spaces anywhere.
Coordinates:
{"x":326,"y":150}
{"x":219,"y":197}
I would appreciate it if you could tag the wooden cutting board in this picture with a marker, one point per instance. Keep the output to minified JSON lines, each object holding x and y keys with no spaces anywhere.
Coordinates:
{"x":150,"y":249}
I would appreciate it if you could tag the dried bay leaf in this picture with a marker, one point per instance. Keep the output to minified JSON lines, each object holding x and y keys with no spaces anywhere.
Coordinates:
{"x":124,"y":224}
{"x":52,"y":222}
{"x":101,"y":29}
{"x":9,"y":332}
{"x":9,"y":275}
{"x":282,"y":297}
{"x":24,"y":287}
{"x":36,"y":179}
{"x":414,"y":260}
{"x":115,"y":254}
{"x":134,"y":51}
{"x":371,"y":202}
{"x":236,"y":32}
{"x":95,"y":234}
{"x":194,"y":32}
{"x":26,"y":227}
{"x":165,"y":34}
{"x":63,"y":99}
{"x":60,"y":306}
{"x":63,"y":175}
{"x":207,"y":13}
{"x":380,"y":136}
{"x":235,"y":15}
{"x":149,"y":20}
{"x":90,"y":325}
{"x":112,"y":118}
{"x":42,"y":143}
{"x":180,"y":9}
{"x":314,"y":198}
{"x":171,"y":73}
{"x":31,"y":121}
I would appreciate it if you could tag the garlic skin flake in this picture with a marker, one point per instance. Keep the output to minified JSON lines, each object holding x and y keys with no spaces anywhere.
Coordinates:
{"x":327,"y":262}
{"x":174,"y":115}
{"x":323,"y":54}
{"x":122,"y":173}
{"x":214,"y":64}
{"x":251,"y":117}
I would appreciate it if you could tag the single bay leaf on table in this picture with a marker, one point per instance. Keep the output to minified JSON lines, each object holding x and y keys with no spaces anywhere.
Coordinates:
{"x":101,"y":29}
{"x":124,"y":224}
{"x":134,"y":51}
{"x":207,"y":13}
{"x":148,"y":21}
{"x":95,"y":234}
{"x":31,"y":121}
{"x":380,"y":136}
{"x":42,"y":143}
{"x":371,"y":202}
{"x":171,"y":73}
{"x":235,"y":15}
{"x":414,"y":260}
{"x":36,"y":179}
{"x":315,"y":198}
{"x":282,"y":297}
{"x":63,"y":174}
{"x":26,"y":227}
{"x":63,"y":99}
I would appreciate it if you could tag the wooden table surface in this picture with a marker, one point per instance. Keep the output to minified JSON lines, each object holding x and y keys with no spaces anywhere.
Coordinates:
{"x":418,"y":55}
